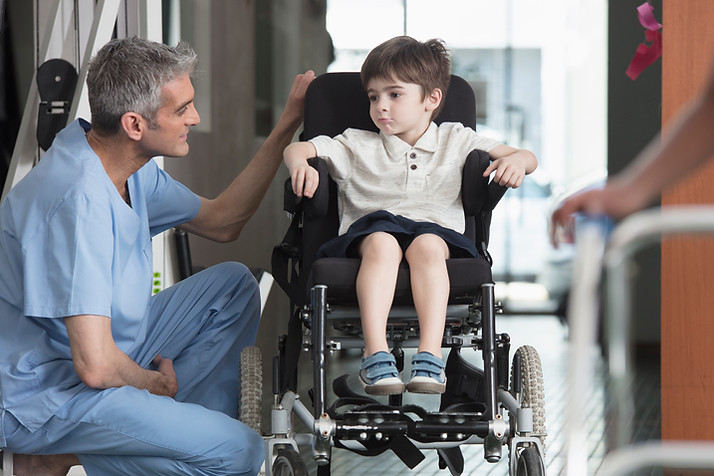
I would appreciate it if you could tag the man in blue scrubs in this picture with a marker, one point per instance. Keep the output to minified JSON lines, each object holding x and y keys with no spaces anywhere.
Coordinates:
{"x":91,"y":365}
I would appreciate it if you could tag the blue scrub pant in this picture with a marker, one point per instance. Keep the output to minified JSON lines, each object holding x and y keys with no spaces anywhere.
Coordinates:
{"x":202,"y":323}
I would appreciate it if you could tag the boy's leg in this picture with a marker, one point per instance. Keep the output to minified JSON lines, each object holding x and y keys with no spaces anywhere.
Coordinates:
{"x":129,"y":431}
{"x":429,"y":277}
{"x":376,"y":280}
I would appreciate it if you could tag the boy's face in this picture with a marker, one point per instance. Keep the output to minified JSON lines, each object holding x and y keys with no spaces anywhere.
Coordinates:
{"x":399,"y":108}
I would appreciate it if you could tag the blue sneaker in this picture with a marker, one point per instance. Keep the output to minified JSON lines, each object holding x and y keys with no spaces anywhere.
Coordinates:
{"x":379,"y":376}
{"x":428,"y":374}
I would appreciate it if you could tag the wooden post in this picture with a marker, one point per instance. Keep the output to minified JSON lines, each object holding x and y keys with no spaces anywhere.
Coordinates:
{"x":687,"y":264}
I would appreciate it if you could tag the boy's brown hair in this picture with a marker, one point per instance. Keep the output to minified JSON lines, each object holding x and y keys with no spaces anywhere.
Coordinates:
{"x":406,"y":59}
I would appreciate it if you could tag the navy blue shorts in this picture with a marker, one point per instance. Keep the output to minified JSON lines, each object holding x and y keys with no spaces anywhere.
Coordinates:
{"x":403,"y":229}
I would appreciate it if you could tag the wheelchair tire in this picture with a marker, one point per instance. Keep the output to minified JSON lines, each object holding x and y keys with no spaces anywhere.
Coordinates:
{"x":530,"y":463}
{"x":289,"y":463}
{"x":251,"y":387}
{"x":532,"y":393}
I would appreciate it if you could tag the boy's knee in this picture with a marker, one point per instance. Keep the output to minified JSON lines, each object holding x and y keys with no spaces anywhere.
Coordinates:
{"x":427,"y":246}
{"x":381,"y":244}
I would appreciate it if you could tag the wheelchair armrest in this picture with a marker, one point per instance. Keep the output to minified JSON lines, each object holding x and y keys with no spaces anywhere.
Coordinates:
{"x":477,"y":194}
{"x":495,"y":193}
{"x":316,"y":206}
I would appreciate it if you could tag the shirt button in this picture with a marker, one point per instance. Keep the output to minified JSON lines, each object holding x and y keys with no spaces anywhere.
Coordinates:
{"x":412,"y":155}
{"x":413,"y":167}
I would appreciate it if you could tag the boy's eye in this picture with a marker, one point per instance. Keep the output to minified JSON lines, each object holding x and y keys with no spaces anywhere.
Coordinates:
{"x":372,"y":98}
{"x":395,"y":95}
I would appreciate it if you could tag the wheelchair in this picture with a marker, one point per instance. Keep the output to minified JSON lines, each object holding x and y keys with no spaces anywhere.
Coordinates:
{"x":324,"y":319}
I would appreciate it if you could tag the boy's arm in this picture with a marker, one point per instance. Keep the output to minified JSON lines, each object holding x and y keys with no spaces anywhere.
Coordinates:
{"x":304,"y":178}
{"x":510,"y":165}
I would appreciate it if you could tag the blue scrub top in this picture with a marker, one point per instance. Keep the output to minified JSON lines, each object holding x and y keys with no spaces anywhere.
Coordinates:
{"x":70,"y":245}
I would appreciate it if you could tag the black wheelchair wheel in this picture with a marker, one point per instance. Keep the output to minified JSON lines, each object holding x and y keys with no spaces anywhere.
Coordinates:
{"x":531,"y":389}
{"x":289,"y":463}
{"x":530,"y":463}
{"x":251,"y":387}
{"x":527,"y":368}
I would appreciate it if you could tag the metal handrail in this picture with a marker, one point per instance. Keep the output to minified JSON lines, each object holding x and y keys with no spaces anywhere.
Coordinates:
{"x":595,"y":257}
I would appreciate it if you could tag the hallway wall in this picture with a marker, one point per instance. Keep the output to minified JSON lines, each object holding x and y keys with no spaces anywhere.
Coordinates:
{"x":634,"y":118}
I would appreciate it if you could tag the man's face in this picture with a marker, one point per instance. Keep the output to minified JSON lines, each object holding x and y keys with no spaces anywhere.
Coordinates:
{"x":173,"y":120}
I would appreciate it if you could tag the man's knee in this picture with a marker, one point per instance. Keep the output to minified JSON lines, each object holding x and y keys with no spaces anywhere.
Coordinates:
{"x":246,"y":453}
{"x":233,"y":271}
{"x":238,"y":282}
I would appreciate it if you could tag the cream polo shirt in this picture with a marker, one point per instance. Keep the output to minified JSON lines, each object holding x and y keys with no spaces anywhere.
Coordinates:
{"x":376,"y":171}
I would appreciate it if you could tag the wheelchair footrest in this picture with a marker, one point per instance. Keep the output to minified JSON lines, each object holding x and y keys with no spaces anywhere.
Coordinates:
{"x":450,"y":426}
{"x":379,"y":423}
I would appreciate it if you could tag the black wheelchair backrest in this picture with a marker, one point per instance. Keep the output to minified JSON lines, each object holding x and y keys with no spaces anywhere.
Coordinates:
{"x":336,"y":101}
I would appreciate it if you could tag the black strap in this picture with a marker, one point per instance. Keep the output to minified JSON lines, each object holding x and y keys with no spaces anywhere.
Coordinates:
{"x":402,"y":446}
{"x":286,"y":262}
{"x":406,"y":451}
{"x":291,"y":356}
{"x":451,"y":458}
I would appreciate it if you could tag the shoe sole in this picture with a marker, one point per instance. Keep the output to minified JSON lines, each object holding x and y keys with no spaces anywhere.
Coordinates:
{"x":426,"y":386}
{"x":384,"y":388}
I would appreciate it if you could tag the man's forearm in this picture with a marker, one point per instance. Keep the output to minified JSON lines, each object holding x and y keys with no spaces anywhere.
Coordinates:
{"x":248,"y":189}
{"x":100,"y":364}
{"x":116,"y":369}
{"x":223,"y":218}
{"x":128,"y":372}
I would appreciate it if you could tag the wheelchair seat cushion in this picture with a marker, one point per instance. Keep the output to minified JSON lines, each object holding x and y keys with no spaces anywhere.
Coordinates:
{"x":403,"y":229}
{"x":466,"y":275}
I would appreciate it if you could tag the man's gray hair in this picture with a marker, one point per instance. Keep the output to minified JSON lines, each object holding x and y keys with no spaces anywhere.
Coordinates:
{"x":128,"y":75}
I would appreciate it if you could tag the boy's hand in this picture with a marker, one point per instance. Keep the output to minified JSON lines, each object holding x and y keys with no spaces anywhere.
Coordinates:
{"x":305,"y":180}
{"x":509,"y":172}
{"x":510,"y":165}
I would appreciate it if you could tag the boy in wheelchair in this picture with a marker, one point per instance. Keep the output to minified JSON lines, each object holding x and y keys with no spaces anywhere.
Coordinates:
{"x":399,"y":198}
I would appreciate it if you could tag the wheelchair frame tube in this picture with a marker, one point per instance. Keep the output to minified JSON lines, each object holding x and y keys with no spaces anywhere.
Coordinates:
{"x":489,"y":347}
{"x":318,"y":299}
{"x":494,"y":438}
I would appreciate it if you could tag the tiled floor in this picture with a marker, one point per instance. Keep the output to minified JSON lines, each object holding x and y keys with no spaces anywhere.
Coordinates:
{"x":549,"y":337}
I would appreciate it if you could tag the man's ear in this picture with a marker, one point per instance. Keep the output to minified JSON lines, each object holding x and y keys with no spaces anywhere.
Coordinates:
{"x":133,"y":125}
{"x":434,"y":99}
